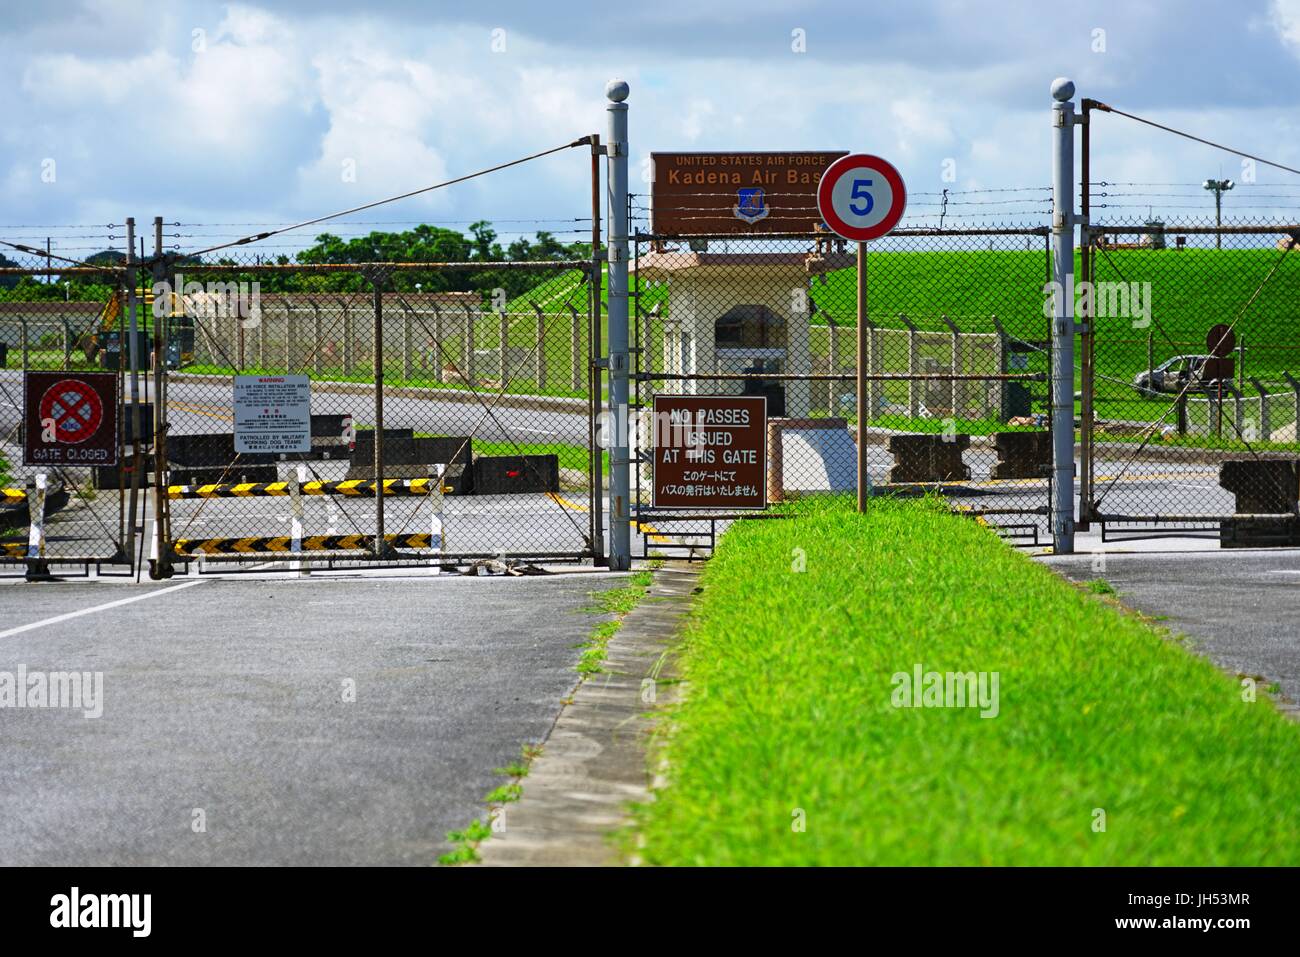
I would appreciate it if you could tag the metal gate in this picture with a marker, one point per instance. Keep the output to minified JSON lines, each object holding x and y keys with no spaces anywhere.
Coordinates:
{"x":1176,"y":440}
{"x":480,"y":436}
{"x":68,"y":515}
{"x":958,"y":357}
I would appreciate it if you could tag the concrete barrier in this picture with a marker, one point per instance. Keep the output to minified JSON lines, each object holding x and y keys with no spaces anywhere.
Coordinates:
{"x":928,"y":457}
{"x":1262,"y":487}
{"x":1022,"y":455}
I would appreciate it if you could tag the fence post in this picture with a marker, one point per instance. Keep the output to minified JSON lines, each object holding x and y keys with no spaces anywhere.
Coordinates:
{"x":435,"y":354}
{"x":406,"y":342}
{"x":1264,"y":426}
{"x":315,"y":337}
{"x":22,"y":339}
{"x":1063,"y":325}
{"x":67,"y":344}
{"x":1238,"y":418}
{"x":261,"y":340}
{"x":347,"y":338}
{"x":832,"y":364}
{"x":1241,"y":360}
{"x":1295,"y":389}
{"x":874,"y":386}
{"x":469,"y":348}
{"x":504,"y":347}
{"x":575,"y":350}
{"x":955,"y":357}
{"x":289,"y":337}
{"x":620,"y":530}
{"x":913,"y":399}
{"x":540,"y":358}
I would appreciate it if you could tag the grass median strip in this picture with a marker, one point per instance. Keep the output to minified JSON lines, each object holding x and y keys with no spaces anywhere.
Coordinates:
{"x":902,"y":688}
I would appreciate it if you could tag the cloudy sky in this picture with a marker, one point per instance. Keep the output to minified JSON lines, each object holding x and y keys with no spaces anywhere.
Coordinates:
{"x":212,"y":113}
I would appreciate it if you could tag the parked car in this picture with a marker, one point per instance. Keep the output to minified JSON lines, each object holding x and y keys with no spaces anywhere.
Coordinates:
{"x":1172,"y":376}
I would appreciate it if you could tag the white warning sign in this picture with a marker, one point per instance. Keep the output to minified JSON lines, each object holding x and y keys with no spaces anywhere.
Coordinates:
{"x":272,"y":413}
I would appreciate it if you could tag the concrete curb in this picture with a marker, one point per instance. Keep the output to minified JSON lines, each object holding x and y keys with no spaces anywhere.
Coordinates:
{"x":594,"y":763}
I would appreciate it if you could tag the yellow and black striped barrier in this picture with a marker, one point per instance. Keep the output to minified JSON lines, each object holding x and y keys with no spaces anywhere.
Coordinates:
{"x":14,"y":549}
{"x":360,"y":488}
{"x":13,"y":496}
{"x":284,"y":544}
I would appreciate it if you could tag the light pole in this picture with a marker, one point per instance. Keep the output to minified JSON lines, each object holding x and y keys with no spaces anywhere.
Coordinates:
{"x":1218,"y":187}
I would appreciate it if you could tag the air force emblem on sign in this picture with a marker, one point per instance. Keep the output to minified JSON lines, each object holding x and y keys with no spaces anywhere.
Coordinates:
{"x":750,"y":205}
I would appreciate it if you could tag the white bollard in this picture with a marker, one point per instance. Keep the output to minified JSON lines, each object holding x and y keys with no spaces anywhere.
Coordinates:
{"x":36,"y":514}
{"x":435,"y":522}
{"x":300,"y":565}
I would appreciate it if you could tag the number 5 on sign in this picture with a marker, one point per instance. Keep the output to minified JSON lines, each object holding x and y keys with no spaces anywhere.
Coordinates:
{"x":860,"y":192}
{"x":861,"y":197}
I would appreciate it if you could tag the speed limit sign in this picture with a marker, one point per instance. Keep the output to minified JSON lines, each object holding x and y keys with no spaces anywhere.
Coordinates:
{"x":861,"y":197}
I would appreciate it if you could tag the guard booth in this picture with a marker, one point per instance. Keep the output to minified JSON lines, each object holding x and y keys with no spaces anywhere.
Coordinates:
{"x":732,"y":313}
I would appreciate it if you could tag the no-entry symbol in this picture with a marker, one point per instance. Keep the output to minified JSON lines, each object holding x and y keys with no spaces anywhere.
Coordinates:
{"x":70,"y":419}
{"x":74,"y":409}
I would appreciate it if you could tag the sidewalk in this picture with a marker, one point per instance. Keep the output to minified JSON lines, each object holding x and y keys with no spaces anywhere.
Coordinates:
{"x":594,"y":763}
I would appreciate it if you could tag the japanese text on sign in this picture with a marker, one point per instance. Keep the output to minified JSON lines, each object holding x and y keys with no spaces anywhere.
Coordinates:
{"x":272,"y":413}
{"x":710,"y":451}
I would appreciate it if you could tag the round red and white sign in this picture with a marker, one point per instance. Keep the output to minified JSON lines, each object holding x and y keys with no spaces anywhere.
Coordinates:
{"x":861,"y":197}
{"x":75,"y":408}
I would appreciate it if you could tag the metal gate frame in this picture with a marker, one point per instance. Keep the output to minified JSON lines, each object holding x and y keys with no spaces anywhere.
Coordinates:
{"x":30,"y":551}
{"x":696,"y":532}
{"x":1182,"y":524}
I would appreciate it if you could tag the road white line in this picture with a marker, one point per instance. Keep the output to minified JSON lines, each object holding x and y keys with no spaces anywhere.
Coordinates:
{"x":89,"y":611}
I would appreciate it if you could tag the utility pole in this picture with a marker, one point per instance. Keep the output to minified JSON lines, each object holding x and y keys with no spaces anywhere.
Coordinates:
{"x":1063,"y":318}
{"x":1218,"y":187}
{"x":620,"y":530}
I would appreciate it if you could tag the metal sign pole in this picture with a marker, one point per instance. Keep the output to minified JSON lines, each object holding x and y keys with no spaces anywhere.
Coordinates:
{"x":620,"y":531}
{"x":863,"y":400}
{"x":133,"y":358}
{"x":381,"y":545}
{"x":1063,"y":323}
{"x":162,"y":307}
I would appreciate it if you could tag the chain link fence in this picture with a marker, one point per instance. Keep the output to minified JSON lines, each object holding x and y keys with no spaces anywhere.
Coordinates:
{"x":481,"y":434}
{"x":956,"y":350}
{"x":1191,"y":389}
{"x":44,"y":329}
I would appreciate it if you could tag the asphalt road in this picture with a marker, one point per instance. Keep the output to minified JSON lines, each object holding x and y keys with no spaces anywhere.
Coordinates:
{"x":228,"y":696}
{"x":205,"y":407}
{"x":1240,"y":607}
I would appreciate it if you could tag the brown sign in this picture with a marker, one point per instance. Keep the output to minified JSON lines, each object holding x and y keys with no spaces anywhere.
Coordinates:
{"x":710,"y":451}
{"x":70,"y":418}
{"x":1221,"y":340}
{"x":704,"y":194}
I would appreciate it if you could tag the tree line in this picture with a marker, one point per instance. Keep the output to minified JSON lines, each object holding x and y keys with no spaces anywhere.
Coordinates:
{"x":481,"y":251}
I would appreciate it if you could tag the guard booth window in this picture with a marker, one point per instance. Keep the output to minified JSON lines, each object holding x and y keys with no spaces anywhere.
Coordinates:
{"x":743,"y":327}
{"x":759,"y":334}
